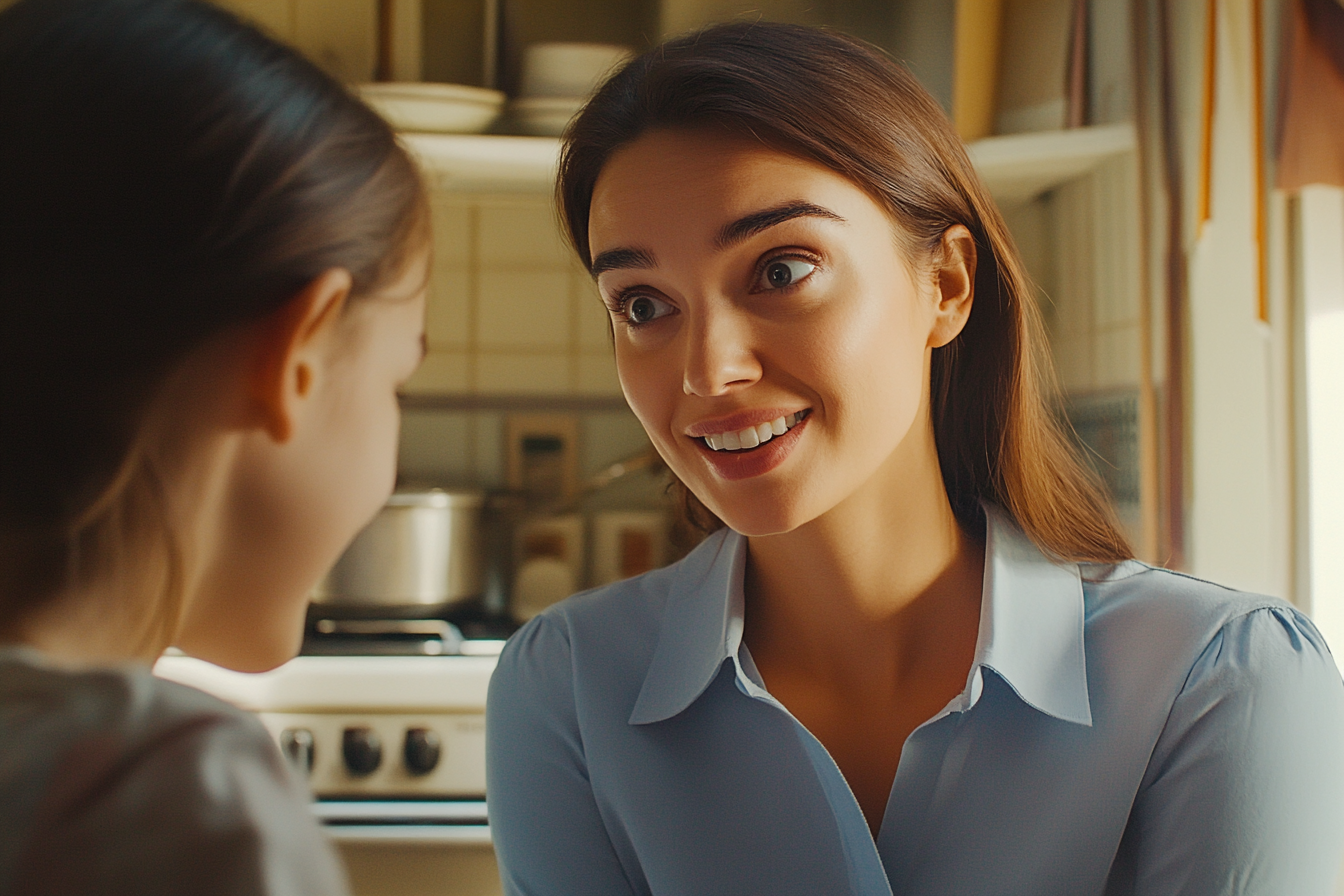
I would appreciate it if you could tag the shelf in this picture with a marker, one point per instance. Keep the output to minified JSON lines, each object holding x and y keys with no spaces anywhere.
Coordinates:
{"x":1017,"y":168}
{"x":485,"y":163}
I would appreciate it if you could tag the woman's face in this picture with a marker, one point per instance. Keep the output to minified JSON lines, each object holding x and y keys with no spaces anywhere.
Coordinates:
{"x":759,"y":296}
{"x":293,"y":505}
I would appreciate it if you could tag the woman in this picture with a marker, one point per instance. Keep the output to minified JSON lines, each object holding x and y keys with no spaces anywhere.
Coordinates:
{"x":918,"y":657}
{"x":211,"y":285}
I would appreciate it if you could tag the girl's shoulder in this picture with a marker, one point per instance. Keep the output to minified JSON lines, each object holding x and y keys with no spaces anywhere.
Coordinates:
{"x":111,"y":763}
{"x":51,"y":712}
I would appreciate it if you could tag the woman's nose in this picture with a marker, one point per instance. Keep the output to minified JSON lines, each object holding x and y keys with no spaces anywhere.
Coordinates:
{"x":719,"y":354}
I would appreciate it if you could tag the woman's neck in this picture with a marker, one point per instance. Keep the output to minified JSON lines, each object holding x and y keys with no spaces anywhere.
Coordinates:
{"x":888,"y":579}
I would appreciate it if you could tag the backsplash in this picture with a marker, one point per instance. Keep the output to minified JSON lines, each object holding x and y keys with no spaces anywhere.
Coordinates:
{"x":466,"y":448}
{"x":511,"y":311}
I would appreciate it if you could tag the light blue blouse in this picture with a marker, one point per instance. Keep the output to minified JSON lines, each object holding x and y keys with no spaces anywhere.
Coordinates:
{"x":1123,"y":730}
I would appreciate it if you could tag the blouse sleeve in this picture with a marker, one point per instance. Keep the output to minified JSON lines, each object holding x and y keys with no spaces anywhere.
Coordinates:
{"x":205,"y":807}
{"x":548,"y":833}
{"x":1245,"y":790}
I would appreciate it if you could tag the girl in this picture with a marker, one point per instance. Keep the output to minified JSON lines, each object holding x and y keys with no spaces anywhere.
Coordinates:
{"x":211,"y":285}
{"x":916,"y":655}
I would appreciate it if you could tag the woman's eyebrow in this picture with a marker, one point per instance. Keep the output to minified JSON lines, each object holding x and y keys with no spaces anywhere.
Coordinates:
{"x":752,"y":224}
{"x":743,"y":228}
{"x":614,"y":259}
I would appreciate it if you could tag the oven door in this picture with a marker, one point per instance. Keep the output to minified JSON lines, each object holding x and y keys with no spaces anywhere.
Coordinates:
{"x":408,"y":847}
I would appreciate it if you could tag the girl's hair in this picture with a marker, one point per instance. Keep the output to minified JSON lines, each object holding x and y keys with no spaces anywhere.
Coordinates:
{"x":833,"y":100}
{"x":166,"y":172}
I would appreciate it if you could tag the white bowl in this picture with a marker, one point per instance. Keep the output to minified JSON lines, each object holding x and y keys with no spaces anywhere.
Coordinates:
{"x":433,"y":108}
{"x":544,"y":116}
{"x":568,"y":69}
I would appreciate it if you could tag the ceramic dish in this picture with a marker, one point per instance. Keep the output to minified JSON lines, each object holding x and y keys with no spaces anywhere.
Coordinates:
{"x":434,"y":108}
{"x":568,"y":69}
{"x":544,"y":116}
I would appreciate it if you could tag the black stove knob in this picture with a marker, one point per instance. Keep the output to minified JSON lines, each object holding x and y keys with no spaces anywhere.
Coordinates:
{"x":362,"y":749}
{"x":422,"y":750}
{"x":299,"y":748}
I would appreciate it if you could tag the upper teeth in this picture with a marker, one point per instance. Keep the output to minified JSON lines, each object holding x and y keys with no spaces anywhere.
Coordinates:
{"x":753,"y":435}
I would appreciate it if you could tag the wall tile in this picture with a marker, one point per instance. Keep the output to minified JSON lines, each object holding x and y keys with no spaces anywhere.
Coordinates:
{"x":450,"y":216}
{"x":440,"y":372}
{"x":436,"y":448}
{"x":547,"y":372}
{"x":523,"y":309}
{"x":607,"y":438}
{"x":520,"y":232}
{"x":447,"y":318}
{"x":597,"y":374}
{"x":340,"y":37}
{"x":593,"y":319}
{"x":1117,"y":357}
{"x":1073,"y":363}
{"x":275,"y":16}
{"x":488,"y":449}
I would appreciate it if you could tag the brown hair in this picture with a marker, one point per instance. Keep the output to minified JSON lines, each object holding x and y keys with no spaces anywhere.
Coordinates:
{"x":829,"y":98}
{"x":166,"y":172}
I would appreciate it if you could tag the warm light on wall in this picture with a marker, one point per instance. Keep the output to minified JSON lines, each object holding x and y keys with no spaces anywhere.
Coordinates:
{"x":1322,"y":265}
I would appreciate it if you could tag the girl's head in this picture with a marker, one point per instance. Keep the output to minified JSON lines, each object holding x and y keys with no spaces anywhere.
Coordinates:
{"x":783,"y":220}
{"x":211,"y":283}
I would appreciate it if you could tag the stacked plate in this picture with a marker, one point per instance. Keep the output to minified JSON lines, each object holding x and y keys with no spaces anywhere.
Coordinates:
{"x":434,"y":108}
{"x":557,"y":79}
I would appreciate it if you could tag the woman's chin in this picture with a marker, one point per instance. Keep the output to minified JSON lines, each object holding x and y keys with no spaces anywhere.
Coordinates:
{"x":761,"y":518}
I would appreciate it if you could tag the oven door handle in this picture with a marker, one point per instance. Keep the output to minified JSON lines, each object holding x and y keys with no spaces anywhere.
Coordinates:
{"x":400,"y":812}
{"x":442,"y":822}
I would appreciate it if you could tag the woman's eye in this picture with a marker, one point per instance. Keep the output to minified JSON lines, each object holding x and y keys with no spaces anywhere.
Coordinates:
{"x":784,"y":272}
{"x":642,"y":309}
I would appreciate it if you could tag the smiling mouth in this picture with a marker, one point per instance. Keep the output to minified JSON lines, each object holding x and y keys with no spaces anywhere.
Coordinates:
{"x":753,"y":436}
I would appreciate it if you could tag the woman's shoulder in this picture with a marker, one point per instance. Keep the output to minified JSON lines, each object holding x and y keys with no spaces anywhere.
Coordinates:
{"x":1129,"y":593}
{"x":1145,"y":623}
{"x":604,"y":637}
{"x":631,"y":609}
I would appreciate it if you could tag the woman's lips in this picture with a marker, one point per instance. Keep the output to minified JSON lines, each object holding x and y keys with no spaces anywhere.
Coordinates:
{"x":749,"y":462}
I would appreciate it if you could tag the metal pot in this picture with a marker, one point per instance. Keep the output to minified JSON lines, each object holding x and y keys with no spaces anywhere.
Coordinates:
{"x":423,"y":549}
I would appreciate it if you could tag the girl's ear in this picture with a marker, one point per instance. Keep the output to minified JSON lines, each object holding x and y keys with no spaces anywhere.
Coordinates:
{"x":954,"y":283}
{"x":290,"y":351}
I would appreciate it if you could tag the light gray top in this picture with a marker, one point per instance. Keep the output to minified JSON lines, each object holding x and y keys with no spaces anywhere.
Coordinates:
{"x":1123,"y":730}
{"x":115,"y":782}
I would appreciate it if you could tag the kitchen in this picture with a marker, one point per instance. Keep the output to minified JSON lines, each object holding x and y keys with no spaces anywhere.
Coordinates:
{"x":1189,"y":301}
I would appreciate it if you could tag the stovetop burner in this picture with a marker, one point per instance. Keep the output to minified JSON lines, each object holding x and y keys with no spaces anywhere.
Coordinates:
{"x":460,"y":631}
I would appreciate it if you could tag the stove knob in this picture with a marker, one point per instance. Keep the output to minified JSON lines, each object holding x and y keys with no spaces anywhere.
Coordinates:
{"x":362,"y":749}
{"x":298,"y":746}
{"x":421,"y":751}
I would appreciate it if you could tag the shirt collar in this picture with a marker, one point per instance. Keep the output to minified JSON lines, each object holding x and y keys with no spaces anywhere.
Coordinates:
{"x":1031,"y":626}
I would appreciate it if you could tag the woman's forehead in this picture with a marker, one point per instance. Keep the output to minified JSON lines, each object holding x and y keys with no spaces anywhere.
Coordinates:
{"x":702,"y":185}
{"x":672,"y":180}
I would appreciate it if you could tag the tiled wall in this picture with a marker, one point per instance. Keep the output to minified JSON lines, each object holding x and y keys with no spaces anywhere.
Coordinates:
{"x":510,"y":310}
{"x":1095,"y":282}
{"x":512,"y":317}
{"x":465,"y":448}
{"x":1080,"y":246}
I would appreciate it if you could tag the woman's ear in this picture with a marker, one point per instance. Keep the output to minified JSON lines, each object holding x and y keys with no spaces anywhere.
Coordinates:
{"x":291,"y":350}
{"x":954,"y":283}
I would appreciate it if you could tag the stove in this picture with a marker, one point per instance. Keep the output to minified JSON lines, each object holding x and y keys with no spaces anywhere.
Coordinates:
{"x":385,"y":718}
